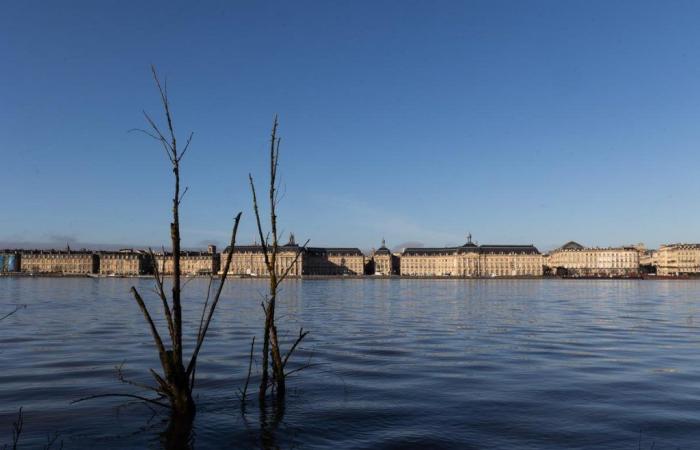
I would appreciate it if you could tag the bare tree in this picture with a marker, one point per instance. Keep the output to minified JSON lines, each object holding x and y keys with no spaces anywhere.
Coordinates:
{"x":272,"y":358}
{"x":175,"y":385}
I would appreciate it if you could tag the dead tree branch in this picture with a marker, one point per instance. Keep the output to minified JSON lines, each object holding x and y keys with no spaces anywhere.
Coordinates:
{"x":17,"y":308}
{"x":176,"y":383}
{"x":272,"y":359}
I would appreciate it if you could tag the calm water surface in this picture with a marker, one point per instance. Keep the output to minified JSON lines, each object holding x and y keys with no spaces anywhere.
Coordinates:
{"x":493,"y":364}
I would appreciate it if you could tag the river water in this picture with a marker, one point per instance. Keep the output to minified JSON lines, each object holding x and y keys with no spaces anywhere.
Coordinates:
{"x":526,"y":364}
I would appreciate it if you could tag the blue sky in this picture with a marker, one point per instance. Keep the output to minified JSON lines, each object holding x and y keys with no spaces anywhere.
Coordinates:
{"x":520,"y":122}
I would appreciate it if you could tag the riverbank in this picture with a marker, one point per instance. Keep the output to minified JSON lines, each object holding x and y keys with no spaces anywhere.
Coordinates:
{"x":357,"y":277}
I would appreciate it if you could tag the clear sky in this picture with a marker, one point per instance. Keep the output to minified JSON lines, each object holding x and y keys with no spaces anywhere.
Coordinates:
{"x":520,"y":122}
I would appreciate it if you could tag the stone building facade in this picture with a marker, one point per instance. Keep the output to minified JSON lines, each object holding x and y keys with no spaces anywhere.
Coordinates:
{"x":471,"y":260}
{"x":333,"y":261}
{"x":384,"y":262}
{"x":125,"y":263}
{"x":191,"y":263}
{"x":573,"y":259}
{"x":249,"y":260}
{"x":678,"y":259}
{"x":59,"y":262}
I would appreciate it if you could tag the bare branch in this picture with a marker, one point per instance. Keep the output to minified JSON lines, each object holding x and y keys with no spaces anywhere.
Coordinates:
{"x":301,"y":336}
{"x":17,"y":427}
{"x":154,"y":330}
{"x":293,"y":263}
{"x":161,"y":291}
{"x":224,"y":274}
{"x":17,"y":308}
{"x":244,"y":392}
{"x":187,"y":188}
{"x":263,"y":241}
{"x":187,"y":146}
{"x":299,"y":369}
{"x":137,"y":397}
{"x":204,"y":308}
{"x":122,"y":378}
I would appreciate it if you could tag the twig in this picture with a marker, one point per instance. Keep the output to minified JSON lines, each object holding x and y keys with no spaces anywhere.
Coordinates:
{"x":217,"y":296}
{"x":17,"y":429}
{"x":17,"y":308}
{"x":302,"y":335}
{"x":244,"y":392}
{"x":137,"y":397}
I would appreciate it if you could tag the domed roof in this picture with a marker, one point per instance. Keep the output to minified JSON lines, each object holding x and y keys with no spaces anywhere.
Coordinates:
{"x":571,"y":245}
{"x":383,"y":250}
{"x":469,"y":242}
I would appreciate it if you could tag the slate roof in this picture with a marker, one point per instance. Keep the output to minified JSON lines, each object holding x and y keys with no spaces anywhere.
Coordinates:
{"x":472,"y":248}
{"x":572,"y":245}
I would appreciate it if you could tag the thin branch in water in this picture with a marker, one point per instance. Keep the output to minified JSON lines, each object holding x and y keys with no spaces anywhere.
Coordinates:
{"x":217,"y":296}
{"x":17,"y":427}
{"x":299,"y":369}
{"x":51,"y":440}
{"x":244,"y":392}
{"x":122,"y":378}
{"x":17,"y":308}
{"x":302,"y":335}
{"x":137,"y":397}
{"x":154,"y":330}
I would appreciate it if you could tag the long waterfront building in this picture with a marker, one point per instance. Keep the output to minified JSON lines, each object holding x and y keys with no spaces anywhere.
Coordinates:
{"x":471,"y":260}
{"x":465,"y":261}
{"x":573,"y":259}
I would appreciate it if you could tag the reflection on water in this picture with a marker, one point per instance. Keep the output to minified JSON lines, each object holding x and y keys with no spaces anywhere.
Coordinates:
{"x":396,"y":363}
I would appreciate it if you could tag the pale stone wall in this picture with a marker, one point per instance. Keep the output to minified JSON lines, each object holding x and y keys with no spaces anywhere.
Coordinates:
{"x":678,"y":259}
{"x":124,"y":263}
{"x":622,"y":261}
{"x":511,"y":264}
{"x":451,"y":262}
{"x":251,"y":262}
{"x":190,"y":263}
{"x":383,"y":264}
{"x":64,"y":262}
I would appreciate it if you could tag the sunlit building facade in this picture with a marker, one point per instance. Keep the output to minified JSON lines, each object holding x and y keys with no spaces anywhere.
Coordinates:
{"x":678,"y":259}
{"x":471,"y":260}
{"x":573,"y":259}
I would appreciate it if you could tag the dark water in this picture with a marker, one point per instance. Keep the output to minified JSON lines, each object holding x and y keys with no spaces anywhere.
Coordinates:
{"x":537,"y":364}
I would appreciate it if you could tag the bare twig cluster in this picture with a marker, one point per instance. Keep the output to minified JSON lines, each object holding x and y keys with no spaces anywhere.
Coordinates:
{"x":52,"y":441}
{"x":17,"y":427}
{"x":273,"y":361}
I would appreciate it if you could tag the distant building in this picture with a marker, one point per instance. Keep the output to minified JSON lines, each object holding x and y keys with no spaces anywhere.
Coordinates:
{"x":66,"y":262}
{"x":125,"y":262}
{"x":191,"y":263}
{"x":384,"y":262}
{"x":471,"y":260}
{"x":249,"y":260}
{"x":333,"y":261}
{"x":573,"y":259}
{"x":678,"y":259}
